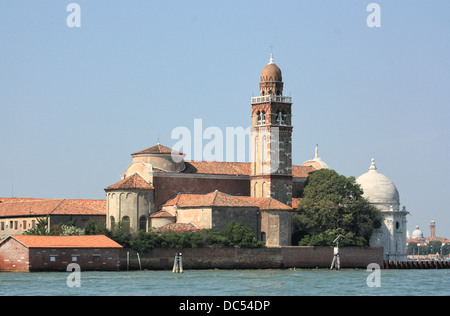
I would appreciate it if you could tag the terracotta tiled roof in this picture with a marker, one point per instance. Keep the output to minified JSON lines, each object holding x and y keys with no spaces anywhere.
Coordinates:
{"x":52,"y":206}
{"x":158,"y":149}
{"x":7,"y":200}
{"x":99,"y":205}
{"x":296,"y":202}
{"x":218,"y":167}
{"x":134,"y":181}
{"x":85,"y":241}
{"x":162,"y":214}
{"x":176,"y":227}
{"x":215,"y":198}
{"x":236,"y":168}
{"x":267,"y":203}
{"x":302,"y":171}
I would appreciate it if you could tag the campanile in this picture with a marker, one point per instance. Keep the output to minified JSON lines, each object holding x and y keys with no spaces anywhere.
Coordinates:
{"x":271,"y":137}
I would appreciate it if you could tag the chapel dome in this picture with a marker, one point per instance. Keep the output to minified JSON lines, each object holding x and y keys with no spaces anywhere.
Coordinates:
{"x":379,"y":189}
{"x":271,"y":72}
{"x":417,"y":233}
{"x":316,"y":162}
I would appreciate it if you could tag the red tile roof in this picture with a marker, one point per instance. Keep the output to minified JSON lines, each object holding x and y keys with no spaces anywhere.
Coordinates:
{"x":6,"y":200}
{"x":85,"y":241}
{"x":302,"y":171}
{"x":236,"y":168}
{"x":176,"y":228}
{"x":35,"y":207}
{"x":296,"y":202}
{"x":218,"y":167}
{"x":215,"y":198}
{"x":267,"y":203}
{"x":162,"y":214}
{"x":134,"y":181}
{"x":158,"y":149}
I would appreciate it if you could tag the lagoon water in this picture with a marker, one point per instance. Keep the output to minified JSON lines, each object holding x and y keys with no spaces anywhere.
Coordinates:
{"x":229,"y":283}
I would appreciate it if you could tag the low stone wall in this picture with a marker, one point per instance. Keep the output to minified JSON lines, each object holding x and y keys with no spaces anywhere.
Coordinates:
{"x":251,"y":258}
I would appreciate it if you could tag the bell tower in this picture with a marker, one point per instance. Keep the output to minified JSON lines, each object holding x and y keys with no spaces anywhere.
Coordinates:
{"x":271,"y":138}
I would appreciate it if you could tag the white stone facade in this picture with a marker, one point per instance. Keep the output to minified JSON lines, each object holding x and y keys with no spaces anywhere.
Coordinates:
{"x":383,"y":194}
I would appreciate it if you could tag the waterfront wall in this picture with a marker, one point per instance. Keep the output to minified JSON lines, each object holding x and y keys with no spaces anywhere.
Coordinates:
{"x":251,"y":258}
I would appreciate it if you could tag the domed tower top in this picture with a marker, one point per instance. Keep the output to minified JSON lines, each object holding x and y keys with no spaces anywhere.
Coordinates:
{"x":379,"y":189}
{"x":271,"y":79}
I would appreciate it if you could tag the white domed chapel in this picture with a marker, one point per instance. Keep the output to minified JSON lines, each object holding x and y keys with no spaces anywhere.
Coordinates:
{"x":381,"y":192}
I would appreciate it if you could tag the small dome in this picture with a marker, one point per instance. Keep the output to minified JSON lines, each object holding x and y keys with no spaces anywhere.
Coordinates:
{"x":316,"y":162}
{"x":271,"y":72}
{"x":379,"y":189}
{"x":417,"y":233}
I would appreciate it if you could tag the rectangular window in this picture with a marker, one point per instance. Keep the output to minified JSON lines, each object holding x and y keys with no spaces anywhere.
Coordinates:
{"x":96,"y":258}
{"x":74,"y":258}
{"x":52,"y":258}
{"x":2,"y":225}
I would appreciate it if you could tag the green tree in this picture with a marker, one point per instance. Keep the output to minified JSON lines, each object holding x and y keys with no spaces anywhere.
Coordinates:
{"x":121,"y":233}
{"x":95,"y":228}
{"x":237,"y":234}
{"x":333,"y":205}
{"x":41,"y":227}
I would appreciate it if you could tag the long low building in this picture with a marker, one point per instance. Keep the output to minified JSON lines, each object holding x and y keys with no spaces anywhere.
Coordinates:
{"x":25,"y":253}
{"x":20,"y":214}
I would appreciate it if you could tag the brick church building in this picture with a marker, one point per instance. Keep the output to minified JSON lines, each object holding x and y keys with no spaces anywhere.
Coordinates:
{"x":161,"y":189}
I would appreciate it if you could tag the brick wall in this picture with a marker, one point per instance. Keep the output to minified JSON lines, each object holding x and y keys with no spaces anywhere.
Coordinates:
{"x":13,"y":256}
{"x":16,"y":257}
{"x":87,"y":258}
{"x":259,"y":258}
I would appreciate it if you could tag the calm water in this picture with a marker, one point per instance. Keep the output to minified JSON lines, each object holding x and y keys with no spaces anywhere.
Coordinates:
{"x":230,"y":283}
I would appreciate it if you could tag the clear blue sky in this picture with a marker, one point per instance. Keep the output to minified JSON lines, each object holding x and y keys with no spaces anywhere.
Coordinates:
{"x":76,"y":102}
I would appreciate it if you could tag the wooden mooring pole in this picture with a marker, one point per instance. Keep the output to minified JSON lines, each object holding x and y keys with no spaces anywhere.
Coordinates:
{"x":139,"y":260}
{"x":178,"y":263}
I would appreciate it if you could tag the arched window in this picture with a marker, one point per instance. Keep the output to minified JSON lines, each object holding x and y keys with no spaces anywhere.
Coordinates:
{"x":126,"y":221}
{"x":262,"y":118}
{"x":263,"y":236}
{"x":280,"y":118}
{"x":143,"y":223}
{"x":112,"y":221}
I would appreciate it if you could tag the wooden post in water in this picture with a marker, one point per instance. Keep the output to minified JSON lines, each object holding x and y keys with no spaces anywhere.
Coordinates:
{"x":128,"y":260}
{"x":336,"y":258}
{"x":178,"y":263}
{"x":139,"y":260}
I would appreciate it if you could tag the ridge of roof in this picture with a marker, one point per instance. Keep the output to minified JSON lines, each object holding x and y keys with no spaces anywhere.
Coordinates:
{"x":135,"y":181}
{"x":158,"y":149}
{"x":266,"y":203}
{"x":215,"y":198}
{"x":51,"y":206}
